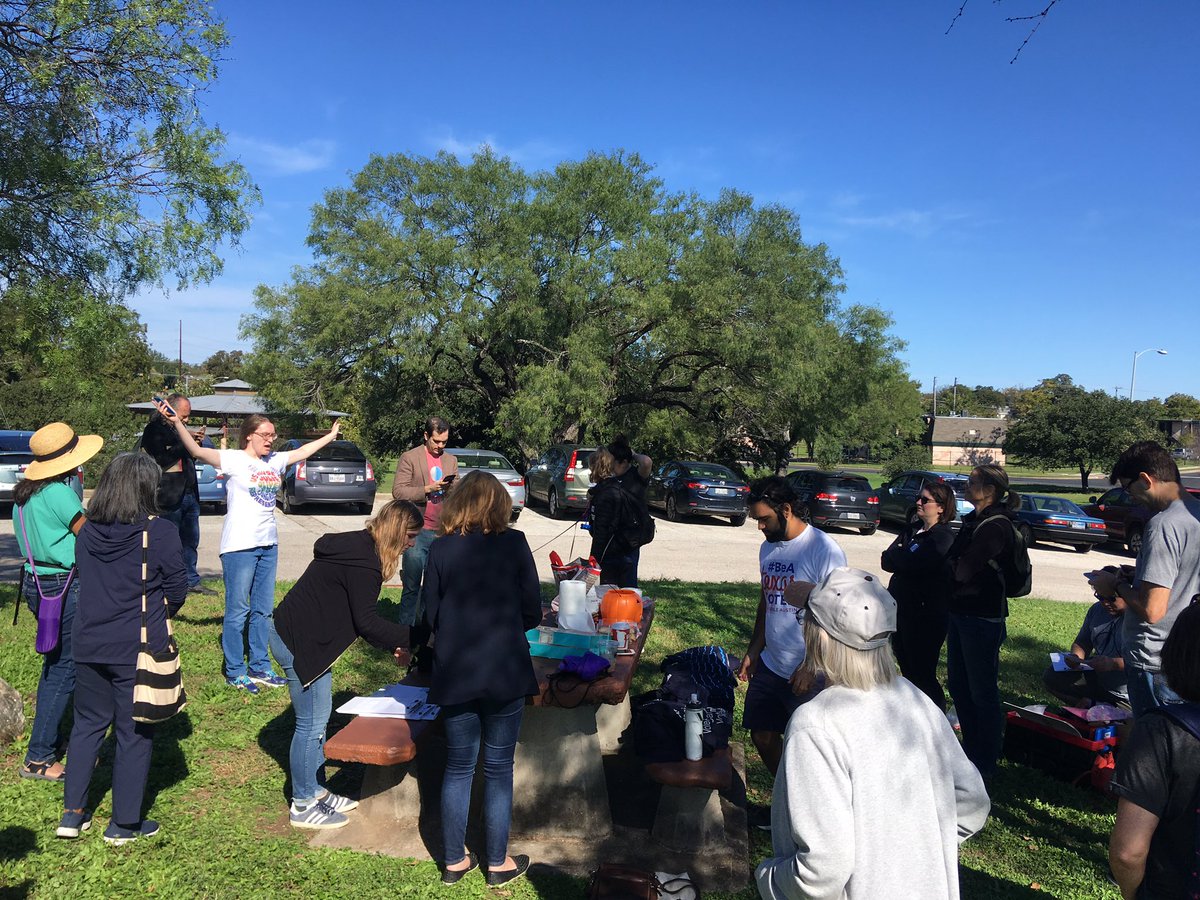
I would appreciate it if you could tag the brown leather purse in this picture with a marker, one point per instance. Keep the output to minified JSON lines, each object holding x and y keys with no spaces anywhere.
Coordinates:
{"x":614,"y":882}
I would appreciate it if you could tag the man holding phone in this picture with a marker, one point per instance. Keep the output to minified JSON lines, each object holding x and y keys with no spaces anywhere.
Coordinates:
{"x":423,"y":475}
{"x":178,"y":491}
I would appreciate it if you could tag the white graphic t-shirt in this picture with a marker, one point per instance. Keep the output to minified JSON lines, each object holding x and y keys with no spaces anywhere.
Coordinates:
{"x":809,"y":557}
{"x":250,"y":488}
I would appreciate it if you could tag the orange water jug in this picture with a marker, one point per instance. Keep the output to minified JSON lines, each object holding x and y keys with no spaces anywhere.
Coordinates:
{"x":621,"y":605}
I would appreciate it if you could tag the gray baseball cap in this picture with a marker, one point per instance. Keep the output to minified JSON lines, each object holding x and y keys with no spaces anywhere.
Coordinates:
{"x":854,"y":608}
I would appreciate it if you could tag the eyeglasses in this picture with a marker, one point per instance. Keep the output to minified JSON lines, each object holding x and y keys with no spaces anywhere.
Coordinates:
{"x":265,"y":435}
{"x":924,"y":499}
{"x":1102,"y":598}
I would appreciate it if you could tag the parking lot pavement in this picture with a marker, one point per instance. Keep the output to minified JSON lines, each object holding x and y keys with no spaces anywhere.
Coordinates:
{"x":701,"y":549}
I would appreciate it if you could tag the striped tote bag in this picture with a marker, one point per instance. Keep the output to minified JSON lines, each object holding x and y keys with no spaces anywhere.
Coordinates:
{"x":158,"y":682}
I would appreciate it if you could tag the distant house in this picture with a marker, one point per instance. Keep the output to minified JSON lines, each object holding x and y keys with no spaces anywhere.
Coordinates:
{"x":1181,"y":433}
{"x":963,"y":441}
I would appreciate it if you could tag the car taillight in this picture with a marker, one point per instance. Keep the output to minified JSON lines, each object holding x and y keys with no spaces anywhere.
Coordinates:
{"x":1098,"y":526}
{"x":825,"y":496}
{"x":79,"y":474}
{"x":744,"y":489}
{"x":516,"y":482}
{"x":1058,"y":522}
{"x":872,"y":500}
{"x":696,"y":486}
{"x":301,"y":468}
{"x":370,"y":473}
{"x":569,"y":475}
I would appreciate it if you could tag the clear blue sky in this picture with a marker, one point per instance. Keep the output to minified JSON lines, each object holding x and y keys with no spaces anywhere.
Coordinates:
{"x":1017,"y":220}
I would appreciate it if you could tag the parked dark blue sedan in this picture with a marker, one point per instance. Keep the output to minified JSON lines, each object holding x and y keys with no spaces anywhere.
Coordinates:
{"x":1059,"y":521}
{"x":683,"y":488}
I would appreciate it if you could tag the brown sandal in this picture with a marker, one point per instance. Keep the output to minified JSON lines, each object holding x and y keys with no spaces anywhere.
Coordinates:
{"x":41,"y":771}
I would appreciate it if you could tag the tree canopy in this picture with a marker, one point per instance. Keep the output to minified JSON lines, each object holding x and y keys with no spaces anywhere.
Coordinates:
{"x":566,"y":304}
{"x":1061,"y":424}
{"x":108,"y":174}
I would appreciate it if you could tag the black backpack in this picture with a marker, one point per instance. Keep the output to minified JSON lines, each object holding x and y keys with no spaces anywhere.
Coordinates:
{"x":637,"y":525}
{"x":1187,"y":717}
{"x":1016,"y":569}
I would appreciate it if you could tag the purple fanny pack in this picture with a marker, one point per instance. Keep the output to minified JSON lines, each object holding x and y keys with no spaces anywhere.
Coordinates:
{"x":50,"y":608}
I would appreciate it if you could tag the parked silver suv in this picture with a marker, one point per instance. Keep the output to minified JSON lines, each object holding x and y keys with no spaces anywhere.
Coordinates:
{"x":560,"y":477}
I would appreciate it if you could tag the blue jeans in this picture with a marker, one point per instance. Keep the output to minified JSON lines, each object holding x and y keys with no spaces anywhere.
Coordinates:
{"x":57,"y":683}
{"x":186,"y":517}
{"x":496,"y":723}
{"x":249,"y":600}
{"x":1147,"y":690}
{"x":312,"y":706}
{"x":973,"y":677}
{"x":412,"y":570}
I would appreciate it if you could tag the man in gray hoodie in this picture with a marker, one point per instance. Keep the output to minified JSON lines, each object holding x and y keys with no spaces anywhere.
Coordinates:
{"x":874,"y":793}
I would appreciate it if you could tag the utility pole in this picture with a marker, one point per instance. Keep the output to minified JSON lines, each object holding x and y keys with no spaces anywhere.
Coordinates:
{"x":181,"y":349}
{"x":954,"y":408}
{"x":935,"y":396}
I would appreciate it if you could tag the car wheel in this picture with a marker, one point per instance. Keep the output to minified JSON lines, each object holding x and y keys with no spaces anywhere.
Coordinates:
{"x":870,"y":529}
{"x":1027,"y":535}
{"x":1133,"y":540}
{"x":516,"y":514}
{"x":288,"y":505}
{"x":672,"y":509}
{"x":366,"y":508}
{"x":552,"y":504}
{"x":1083,"y":548}
{"x":737,"y":521}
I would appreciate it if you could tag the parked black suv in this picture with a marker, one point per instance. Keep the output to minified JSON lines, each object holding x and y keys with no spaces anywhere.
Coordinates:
{"x":837,"y":498}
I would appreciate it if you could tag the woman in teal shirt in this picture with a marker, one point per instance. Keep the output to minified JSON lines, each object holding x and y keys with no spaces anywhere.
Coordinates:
{"x":47,"y":514}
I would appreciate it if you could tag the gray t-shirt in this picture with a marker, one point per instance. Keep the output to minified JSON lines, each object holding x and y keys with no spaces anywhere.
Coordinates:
{"x":1170,"y":557}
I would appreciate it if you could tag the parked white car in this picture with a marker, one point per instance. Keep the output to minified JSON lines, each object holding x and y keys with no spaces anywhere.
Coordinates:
{"x":495,"y":464}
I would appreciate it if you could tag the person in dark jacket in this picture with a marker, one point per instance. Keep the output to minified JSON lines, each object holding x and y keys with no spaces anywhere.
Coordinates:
{"x":122,"y":530}
{"x":333,"y":603}
{"x":481,"y":596}
{"x":978,"y":608}
{"x":921,"y":584}
{"x":608,"y":516}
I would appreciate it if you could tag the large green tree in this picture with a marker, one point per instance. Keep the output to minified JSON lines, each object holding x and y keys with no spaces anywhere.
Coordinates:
{"x":109,"y":180}
{"x":109,"y":175}
{"x":1064,"y":425}
{"x":566,"y":304}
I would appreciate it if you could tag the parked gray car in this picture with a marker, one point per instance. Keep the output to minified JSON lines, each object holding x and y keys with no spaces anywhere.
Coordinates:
{"x":337,"y":473}
{"x":15,"y":456}
{"x":898,"y":498}
{"x":494,"y":464}
{"x":560,"y":478}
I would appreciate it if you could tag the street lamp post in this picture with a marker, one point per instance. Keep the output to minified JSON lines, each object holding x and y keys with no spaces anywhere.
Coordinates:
{"x":1133,"y":377}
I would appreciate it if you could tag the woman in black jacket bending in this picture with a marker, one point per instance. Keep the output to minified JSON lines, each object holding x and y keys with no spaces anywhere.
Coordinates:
{"x":481,"y":596}
{"x":978,"y":608}
{"x":921,"y":584}
{"x":333,"y":603}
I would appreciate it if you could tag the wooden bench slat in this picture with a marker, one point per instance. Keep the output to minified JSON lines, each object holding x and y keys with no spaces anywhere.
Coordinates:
{"x":715,"y":772}
{"x":377,"y":742}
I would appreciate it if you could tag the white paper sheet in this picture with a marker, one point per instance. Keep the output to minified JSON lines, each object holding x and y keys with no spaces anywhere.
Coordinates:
{"x":396,"y":701}
{"x":1056,"y":660}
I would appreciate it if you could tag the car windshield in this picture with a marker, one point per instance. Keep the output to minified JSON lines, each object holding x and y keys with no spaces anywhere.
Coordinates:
{"x":479,"y":461}
{"x":709,"y":470}
{"x":342,"y":451}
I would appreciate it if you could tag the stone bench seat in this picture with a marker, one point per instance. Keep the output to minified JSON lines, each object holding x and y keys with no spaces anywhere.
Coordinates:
{"x":689,"y":816}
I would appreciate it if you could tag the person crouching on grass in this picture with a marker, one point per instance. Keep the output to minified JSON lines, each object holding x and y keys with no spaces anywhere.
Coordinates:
{"x":874,"y":793}
{"x":333,"y":603}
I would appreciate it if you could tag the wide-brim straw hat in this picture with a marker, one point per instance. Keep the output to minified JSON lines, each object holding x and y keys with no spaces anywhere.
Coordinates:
{"x":56,"y":449}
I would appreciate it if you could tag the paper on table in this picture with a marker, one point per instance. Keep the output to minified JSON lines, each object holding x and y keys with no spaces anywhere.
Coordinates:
{"x":1056,"y":661}
{"x":396,"y":701}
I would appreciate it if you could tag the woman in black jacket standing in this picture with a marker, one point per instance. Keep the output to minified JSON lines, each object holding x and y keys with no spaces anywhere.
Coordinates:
{"x":481,"y":596}
{"x":333,"y":603}
{"x":922,"y":584}
{"x":107,"y":637}
{"x":978,"y":608}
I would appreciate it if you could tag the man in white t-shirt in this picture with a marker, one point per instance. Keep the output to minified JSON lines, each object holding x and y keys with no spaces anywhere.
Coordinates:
{"x":791,"y":552}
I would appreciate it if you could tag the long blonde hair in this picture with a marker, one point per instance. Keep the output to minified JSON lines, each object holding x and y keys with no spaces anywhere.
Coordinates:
{"x":390,"y":529}
{"x":478,"y":503}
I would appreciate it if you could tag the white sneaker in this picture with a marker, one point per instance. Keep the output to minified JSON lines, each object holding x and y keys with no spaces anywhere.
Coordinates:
{"x":316,"y":815}
{"x":337,"y":802}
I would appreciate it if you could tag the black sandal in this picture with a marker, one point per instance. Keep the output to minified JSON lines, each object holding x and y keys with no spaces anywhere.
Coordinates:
{"x":454,"y":876}
{"x":497,"y":877}
{"x":39,"y":771}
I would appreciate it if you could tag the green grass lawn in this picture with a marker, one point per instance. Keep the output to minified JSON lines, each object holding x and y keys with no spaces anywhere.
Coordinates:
{"x":217,"y":781}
